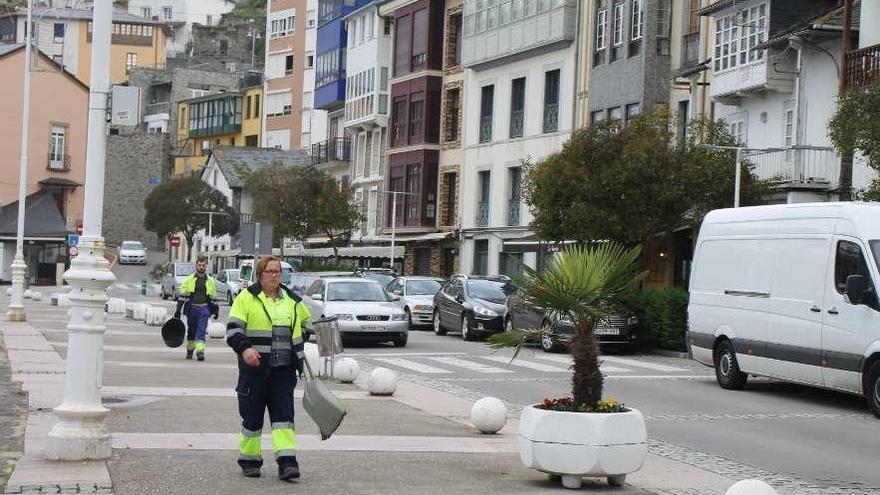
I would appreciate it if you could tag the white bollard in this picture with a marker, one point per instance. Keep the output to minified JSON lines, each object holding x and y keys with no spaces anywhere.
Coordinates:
{"x":156,"y":316}
{"x":751,"y":487}
{"x":382,"y":381}
{"x":216,"y":330}
{"x":27,"y":294}
{"x":489,"y":415}
{"x":139,"y":311}
{"x":116,"y":306}
{"x":346,"y":370}
{"x":9,"y":291}
{"x":37,"y":295}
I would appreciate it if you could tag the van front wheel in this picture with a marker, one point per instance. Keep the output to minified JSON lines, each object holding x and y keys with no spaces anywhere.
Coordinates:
{"x":872,"y":389}
{"x":726,"y":368}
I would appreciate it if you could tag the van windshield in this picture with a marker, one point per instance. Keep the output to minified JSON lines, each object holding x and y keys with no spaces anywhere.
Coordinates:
{"x":875,"y":248}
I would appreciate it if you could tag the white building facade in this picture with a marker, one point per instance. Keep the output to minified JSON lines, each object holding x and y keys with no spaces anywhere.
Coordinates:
{"x":180,"y":15}
{"x":520,"y":94}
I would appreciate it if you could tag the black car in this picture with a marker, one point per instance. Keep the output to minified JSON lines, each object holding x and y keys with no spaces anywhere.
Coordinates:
{"x":474,"y":306}
{"x":617,"y":329}
{"x":382,"y":275}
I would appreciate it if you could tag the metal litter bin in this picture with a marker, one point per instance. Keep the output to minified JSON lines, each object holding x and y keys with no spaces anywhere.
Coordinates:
{"x":329,"y":344}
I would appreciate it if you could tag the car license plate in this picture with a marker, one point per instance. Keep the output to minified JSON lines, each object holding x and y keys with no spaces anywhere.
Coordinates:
{"x":373,"y":328}
{"x":606,"y":331}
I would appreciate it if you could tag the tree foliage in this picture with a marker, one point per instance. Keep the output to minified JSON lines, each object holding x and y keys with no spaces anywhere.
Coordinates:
{"x":10,"y":5}
{"x":302,"y":202}
{"x":171,"y":208}
{"x":855,"y":127}
{"x":630,"y":183}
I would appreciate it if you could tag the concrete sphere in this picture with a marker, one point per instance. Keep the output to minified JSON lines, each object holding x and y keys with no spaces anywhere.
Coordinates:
{"x":313,"y":357}
{"x":9,"y":291}
{"x":751,"y":487}
{"x":28,"y":294}
{"x":382,"y":381}
{"x":489,"y":415}
{"x":346,"y":370}
{"x":216,"y":330}
{"x":37,"y":295}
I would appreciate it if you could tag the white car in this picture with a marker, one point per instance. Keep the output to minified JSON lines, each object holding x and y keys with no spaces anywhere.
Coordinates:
{"x":416,"y":298}
{"x":363,"y":309}
{"x":132,"y":252}
{"x":228,"y":284}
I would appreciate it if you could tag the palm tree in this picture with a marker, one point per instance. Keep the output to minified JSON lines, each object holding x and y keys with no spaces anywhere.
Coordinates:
{"x":585,"y":284}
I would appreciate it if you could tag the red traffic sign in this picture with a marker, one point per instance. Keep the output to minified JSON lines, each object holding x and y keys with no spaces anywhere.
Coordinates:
{"x":175,"y":241}
{"x":79,"y":229}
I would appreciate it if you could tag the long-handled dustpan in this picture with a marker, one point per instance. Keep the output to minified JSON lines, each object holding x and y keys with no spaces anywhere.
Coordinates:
{"x":323,"y":407}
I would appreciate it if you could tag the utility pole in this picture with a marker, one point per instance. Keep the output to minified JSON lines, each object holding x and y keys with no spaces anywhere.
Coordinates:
{"x":846,"y":157}
{"x":737,"y":185}
{"x":210,"y":226}
{"x":18,"y":266}
{"x":394,"y":195}
{"x":80,"y":432}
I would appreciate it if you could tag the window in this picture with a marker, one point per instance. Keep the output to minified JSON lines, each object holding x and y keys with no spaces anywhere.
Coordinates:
{"x":484,"y":183}
{"x":386,"y":26}
{"x":601,"y":27}
{"x":453,"y":48}
{"x":131,"y":61}
{"x":615,"y":115}
{"x":481,"y":257}
{"x":308,"y":99}
{"x":182,"y":122}
{"x":57,"y":148}
{"x":278,"y":104}
{"x":402,"y":39}
{"x":247,"y":109}
{"x":310,"y":60}
{"x":788,"y":132}
{"x":514,"y":202}
{"x":59,"y":32}
{"x":256,"y":105}
{"x":487,"y":95}
{"x":597,"y":116}
{"x":618,"y":24}
{"x":251,"y":141}
{"x":551,"y":101}
{"x":312,"y":19}
{"x":517,"y":106}
{"x":420,"y":40}
{"x":167,"y":13}
{"x":451,"y":199}
{"x":737,"y":130}
{"x":147,"y":12}
{"x":362,"y":29}
{"x":511,"y":264}
{"x":736,"y":36}
{"x":850,"y":261}
{"x":451,"y":115}
{"x":637,"y":22}
{"x":398,"y":116}
{"x":416,"y":115}
{"x":288,"y":65}
{"x":411,"y":200}
{"x":633,"y":110}
{"x":282,"y":24}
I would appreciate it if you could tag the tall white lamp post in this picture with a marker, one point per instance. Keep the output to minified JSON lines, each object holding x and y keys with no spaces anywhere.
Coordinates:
{"x":19,"y":267}
{"x":394,"y":195}
{"x":80,"y":432}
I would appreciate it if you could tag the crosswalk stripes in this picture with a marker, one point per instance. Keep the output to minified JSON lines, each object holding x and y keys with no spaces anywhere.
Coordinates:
{"x":566,"y":359}
{"x":522,"y":363}
{"x":469,"y":365}
{"x":411,"y":365}
{"x":640,"y":364}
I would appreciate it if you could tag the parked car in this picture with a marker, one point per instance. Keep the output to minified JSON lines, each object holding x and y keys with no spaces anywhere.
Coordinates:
{"x":228,"y":284}
{"x":363,"y":309}
{"x":247,"y":274}
{"x":416,"y":298}
{"x":617,"y":330}
{"x":301,"y":281}
{"x":382,"y":275}
{"x":132,"y":252}
{"x":474,"y":306}
{"x":175,"y":272}
{"x":789,"y":292}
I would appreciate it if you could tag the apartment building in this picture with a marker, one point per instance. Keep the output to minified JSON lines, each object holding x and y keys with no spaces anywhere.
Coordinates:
{"x":285,"y":66}
{"x":65,"y":35}
{"x":314,"y":121}
{"x":367,"y":90}
{"x":520,"y":92}
{"x":180,"y":16}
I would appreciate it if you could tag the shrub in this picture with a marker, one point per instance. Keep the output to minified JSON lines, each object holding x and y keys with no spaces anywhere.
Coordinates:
{"x":662,"y":317}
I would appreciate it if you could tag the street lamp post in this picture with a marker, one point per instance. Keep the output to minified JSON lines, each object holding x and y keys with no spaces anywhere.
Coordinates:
{"x":394,"y":195}
{"x":210,"y":226}
{"x":80,"y":432}
{"x":18,"y":266}
{"x":737,"y":185}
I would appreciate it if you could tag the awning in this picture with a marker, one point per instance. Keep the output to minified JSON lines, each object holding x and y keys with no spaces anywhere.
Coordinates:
{"x":41,"y":217}
{"x":348,"y":252}
{"x":531,"y":244}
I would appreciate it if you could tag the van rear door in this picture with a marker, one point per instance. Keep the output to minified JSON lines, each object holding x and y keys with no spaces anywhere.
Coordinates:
{"x":848,"y":328}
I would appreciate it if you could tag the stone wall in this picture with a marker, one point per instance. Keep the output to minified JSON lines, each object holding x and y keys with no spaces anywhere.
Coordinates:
{"x":135,"y":163}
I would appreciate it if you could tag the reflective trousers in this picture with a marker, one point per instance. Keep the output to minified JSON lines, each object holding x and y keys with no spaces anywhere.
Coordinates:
{"x":196,"y":324}
{"x":258,"y":390}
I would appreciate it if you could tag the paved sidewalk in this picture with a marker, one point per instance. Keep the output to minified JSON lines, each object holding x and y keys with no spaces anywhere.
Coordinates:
{"x":175,"y":425}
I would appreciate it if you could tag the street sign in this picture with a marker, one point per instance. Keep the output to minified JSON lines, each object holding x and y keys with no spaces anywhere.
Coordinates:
{"x":79,"y":229}
{"x":175,"y":241}
{"x":154,"y":180}
{"x":72,"y":240}
{"x":125,"y":105}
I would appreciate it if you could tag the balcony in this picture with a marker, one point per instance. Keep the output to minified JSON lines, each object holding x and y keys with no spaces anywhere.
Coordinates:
{"x":551,"y":117}
{"x":331,"y":150}
{"x":516,"y":123}
{"x":157,"y":108}
{"x":485,"y":129}
{"x":863,"y":67}
{"x":58,"y":163}
{"x":514,"y":208}
{"x":690,"y":50}
{"x":483,"y":214}
{"x":798,"y":166}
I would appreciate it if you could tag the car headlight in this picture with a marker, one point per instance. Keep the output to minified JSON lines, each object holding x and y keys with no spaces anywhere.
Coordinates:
{"x":423,"y":307}
{"x":484,"y":311}
{"x":632,"y":320}
{"x":398,"y":317}
{"x":344,"y":317}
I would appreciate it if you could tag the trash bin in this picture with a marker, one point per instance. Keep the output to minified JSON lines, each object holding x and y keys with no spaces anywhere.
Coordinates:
{"x":329,"y":343}
{"x":143,"y":287}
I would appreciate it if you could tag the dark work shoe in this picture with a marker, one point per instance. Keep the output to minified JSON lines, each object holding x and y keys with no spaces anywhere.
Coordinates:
{"x":189,"y":353}
{"x":251,"y":472}
{"x":200,"y":356}
{"x":288,"y":473}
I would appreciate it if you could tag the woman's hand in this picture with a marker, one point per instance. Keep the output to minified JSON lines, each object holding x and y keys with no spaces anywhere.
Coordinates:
{"x":251,"y":357}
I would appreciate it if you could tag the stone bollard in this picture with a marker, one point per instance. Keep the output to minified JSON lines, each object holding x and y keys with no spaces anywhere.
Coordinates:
{"x":346,"y":370}
{"x":751,"y":487}
{"x":489,"y":415}
{"x":139,"y":311}
{"x":37,"y":295}
{"x":382,"y":381}
{"x":155,"y":316}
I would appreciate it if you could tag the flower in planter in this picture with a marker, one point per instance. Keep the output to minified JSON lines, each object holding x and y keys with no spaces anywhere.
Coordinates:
{"x":583,"y":284}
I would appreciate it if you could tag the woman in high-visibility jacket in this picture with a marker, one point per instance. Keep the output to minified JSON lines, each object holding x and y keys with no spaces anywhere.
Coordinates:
{"x":265,"y":330}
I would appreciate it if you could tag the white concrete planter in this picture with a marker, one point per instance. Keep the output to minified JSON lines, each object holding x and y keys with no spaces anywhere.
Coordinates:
{"x":574,"y":445}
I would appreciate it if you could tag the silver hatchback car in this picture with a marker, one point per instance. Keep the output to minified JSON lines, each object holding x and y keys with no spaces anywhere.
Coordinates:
{"x":416,"y":298}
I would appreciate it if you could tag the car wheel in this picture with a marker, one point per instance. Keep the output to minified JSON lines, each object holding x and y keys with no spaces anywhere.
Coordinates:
{"x":438,"y":327}
{"x":727,"y":370}
{"x":466,"y":334}
{"x":400,"y":341}
{"x":872,"y":388}
{"x":408,"y":318}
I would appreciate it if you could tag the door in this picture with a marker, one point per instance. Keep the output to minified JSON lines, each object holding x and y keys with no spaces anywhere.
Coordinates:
{"x":316,"y":307}
{"x":848,"y":328}
{"x":457,"y":308}
{"x":448,"y":302}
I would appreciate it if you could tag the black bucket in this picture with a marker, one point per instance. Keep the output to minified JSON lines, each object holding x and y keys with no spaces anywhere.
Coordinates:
{"x":173,"y":332}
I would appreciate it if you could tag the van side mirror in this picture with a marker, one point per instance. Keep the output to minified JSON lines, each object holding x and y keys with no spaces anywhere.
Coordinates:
{"x":856,"y":289}
{"x":318,"y":297}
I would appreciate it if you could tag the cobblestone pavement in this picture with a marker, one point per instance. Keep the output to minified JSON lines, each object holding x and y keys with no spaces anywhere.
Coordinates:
{"x":13,"y":417}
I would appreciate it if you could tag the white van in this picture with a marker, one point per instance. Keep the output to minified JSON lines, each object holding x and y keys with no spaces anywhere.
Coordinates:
{"x":247,"y":274}
{"x":788,"y":291}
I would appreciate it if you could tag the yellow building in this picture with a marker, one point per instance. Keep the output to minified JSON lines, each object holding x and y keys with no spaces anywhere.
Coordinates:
{"x":134,"y":42}
{"x":223,"y":119}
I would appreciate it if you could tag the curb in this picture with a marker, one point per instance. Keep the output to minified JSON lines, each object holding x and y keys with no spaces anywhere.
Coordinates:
{"x":668,"y":353}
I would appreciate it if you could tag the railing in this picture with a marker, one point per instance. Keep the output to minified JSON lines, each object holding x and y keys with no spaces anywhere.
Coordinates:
{"x":419,"y":61}
{"x":247,"y":218}
{"x":58,"y":163}
{"x":863,"y":67}
{"x":333,"y":149}
{"x":156,"y":108}
{"x":485,"y":129}
{"x":516,"y":123}
{"x":514,"y":206}
{"x":551,"y":117}
{"x":690,"y":50}
{"x":798,"y":165}
{"x":483,"y":214}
